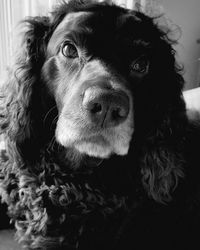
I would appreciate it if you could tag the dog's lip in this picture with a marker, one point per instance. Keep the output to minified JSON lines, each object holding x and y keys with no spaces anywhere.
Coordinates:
{"x":95,"y":139}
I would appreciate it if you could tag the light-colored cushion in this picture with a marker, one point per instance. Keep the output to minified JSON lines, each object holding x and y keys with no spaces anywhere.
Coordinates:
{"x":7,"y":241}
{"x":192,"y":100}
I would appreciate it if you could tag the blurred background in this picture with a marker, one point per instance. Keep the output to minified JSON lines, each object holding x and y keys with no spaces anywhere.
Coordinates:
{"x":184,"y":13}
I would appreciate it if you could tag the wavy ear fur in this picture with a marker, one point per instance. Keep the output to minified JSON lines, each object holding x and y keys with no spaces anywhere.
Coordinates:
{"x":161,"y":171}
{"x":19,"y":100}
{"x":160,"y":119}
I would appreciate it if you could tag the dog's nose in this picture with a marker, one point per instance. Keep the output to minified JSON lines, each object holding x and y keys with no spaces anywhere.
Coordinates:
{"x":106,"y":107}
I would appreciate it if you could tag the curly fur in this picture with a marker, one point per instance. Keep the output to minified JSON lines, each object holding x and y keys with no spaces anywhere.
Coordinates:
{"x":60,"y":199}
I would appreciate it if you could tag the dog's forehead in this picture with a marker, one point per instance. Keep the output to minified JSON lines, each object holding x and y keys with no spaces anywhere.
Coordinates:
{"x":69,"y":23}
{"x":102,"y":27}
{"x":72,"y":20}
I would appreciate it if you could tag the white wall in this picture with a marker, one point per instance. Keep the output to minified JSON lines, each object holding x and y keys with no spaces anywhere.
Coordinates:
{"x":186,"y":14}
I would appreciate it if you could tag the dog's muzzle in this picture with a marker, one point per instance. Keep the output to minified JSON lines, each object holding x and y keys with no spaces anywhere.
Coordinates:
{"x":105,"y":107}
{"x":96,"y":118}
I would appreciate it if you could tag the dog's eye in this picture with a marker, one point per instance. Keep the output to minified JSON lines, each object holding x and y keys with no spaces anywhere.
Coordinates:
{"x":140,"y":65}
{"x":69,"y":50}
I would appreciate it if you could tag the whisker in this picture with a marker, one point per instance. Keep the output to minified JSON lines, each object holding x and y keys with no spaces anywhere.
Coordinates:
{"x":51,"y":144}
{"x":50,"y":110}
{"x":53,"y":122}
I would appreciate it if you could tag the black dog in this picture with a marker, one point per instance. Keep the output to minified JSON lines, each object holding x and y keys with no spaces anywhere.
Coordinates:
{"x":99,"y":153}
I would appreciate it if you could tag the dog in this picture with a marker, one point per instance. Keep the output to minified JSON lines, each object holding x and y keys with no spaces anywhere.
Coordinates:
{"x":99,"y":152}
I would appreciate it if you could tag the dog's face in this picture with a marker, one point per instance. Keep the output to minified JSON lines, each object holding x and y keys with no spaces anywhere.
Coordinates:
{"x":94,"y":60}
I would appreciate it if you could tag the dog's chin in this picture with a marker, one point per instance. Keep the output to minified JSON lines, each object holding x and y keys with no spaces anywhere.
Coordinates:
{"x":100,"y":149}
{"x":94,"y":149}
{"x":100,"y":145}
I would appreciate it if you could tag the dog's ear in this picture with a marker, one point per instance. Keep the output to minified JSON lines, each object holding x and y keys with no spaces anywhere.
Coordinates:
{"x":160,"y":118}
{"x":161,"y":171}
{"x":35,"y":39}
{"x":20,"y":105}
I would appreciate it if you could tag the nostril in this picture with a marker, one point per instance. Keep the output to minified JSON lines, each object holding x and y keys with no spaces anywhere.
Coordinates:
{"x":96,"y":108}
{"x":119,"y":113}
{"x":116,"y":113}
{"x":105,"y":108}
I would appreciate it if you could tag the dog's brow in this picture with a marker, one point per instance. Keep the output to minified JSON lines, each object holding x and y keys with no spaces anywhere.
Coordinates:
{"x":71,"y":21}
{"x":67,"y":29}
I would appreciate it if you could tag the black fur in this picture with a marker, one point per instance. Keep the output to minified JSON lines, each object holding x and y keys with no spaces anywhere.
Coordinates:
{"x":59,"y":200}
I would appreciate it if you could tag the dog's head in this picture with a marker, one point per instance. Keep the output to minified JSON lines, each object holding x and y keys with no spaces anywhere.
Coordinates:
{"x":97,"y":58}
{"x":86,"y":73}
{"x":105,"y":76}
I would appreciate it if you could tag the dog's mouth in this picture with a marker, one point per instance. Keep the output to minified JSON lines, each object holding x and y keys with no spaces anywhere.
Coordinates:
{"x":95,"y":140}
{"x":100,"y":144}
{"x":95,"y":146}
